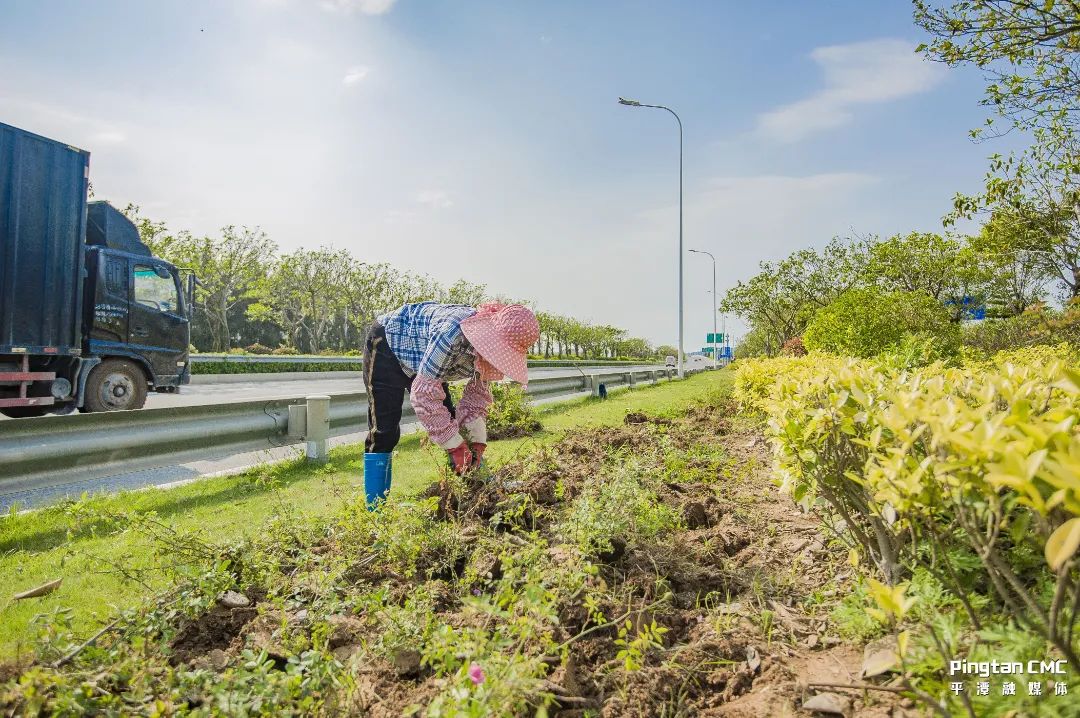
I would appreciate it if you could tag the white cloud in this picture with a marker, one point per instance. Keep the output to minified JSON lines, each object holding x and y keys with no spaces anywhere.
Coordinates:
{"x":856,"y":74}
{"x":434,"y":198}
{"x":367,"y":7}
{"x":355,"y":74}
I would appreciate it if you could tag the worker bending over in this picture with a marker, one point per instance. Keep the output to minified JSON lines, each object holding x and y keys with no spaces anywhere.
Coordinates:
{"x":420,"y":348}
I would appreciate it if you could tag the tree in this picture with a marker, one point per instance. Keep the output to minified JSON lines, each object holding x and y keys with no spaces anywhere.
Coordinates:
{"x":367,"y":290}
{"x":752,"y":344}
{"x":302,"y":294}
{"x":1018,"y":275}
{"x":781,"y":299}
{"x":229,"y":269}
{"x":1034,"y":197}
{"x":465,"y":292}
{"x":1027,"y":50}
{"x":945,"y":268}
{"x":325,"y":299}
{"x":1029,"y":53}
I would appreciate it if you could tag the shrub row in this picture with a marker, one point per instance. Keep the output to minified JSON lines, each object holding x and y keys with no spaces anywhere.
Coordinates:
{"x":229,"y":367}
{"x":972,"y":471}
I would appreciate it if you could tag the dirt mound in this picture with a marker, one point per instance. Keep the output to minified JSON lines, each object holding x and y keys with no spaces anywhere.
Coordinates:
{"x":733,"y":547}
{"x":636,"y":570}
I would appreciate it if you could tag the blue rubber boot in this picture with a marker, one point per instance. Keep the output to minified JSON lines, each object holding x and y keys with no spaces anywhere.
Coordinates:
{"x":377,"y":471}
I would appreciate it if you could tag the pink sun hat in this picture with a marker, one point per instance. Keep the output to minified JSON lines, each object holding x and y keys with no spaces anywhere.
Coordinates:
{"x":502,"y":335}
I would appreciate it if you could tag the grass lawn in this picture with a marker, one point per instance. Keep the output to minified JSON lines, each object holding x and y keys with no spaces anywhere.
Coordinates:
{"x":74,"y":542}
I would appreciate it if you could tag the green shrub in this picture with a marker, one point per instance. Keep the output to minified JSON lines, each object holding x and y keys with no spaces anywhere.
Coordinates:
{"x":286,"y":350}
{"x":257,"y":348}
{"x":510,"y":414}
{"x":867,"y":322}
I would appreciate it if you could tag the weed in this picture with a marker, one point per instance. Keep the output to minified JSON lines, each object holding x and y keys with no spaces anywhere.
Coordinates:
{"x":851,"y":618}
{"x":621,"y":509}
{"x":633,"y":646}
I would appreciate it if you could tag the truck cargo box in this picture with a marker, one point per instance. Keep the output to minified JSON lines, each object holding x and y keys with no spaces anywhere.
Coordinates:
{"x":43,"y":188}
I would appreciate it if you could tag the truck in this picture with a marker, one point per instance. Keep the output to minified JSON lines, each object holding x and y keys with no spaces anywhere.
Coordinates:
{"x":90,"y":319}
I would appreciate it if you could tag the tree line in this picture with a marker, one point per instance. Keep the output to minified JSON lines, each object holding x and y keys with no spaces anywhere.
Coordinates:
{"x":1027,"y":249}
{"x":250,"y":295}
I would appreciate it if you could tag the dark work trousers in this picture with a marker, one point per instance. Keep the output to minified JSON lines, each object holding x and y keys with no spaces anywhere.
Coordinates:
{"x":386,"y":386}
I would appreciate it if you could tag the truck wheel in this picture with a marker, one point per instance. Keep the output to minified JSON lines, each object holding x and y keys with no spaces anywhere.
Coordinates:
{"x":115,"y":385}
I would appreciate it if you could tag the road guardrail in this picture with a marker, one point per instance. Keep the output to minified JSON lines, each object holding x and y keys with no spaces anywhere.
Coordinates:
{"x":197,"y":359}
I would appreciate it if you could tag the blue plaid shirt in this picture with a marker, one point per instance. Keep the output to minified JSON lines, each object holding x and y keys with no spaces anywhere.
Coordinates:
{"x":427,"y":340}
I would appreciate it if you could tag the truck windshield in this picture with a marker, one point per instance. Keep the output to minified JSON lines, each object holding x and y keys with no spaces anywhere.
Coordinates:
{"x":155,"y":291}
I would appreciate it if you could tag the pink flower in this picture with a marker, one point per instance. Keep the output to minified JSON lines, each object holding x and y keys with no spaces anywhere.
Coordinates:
{"x":476,"y":674}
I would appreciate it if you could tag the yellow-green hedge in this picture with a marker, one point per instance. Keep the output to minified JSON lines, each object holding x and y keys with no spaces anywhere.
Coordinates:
{"x":983,"y":457}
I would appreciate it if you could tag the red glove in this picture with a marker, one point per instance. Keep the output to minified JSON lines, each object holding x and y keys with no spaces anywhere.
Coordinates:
{"x":461,"y":458}
{"x":477,"y":451}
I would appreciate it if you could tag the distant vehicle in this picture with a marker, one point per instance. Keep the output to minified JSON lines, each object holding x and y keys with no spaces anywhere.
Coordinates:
{"x":669,"y":361}
{"x":89,"y":318}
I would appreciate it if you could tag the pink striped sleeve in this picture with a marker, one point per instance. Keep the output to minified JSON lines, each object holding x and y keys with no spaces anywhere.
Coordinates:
{"x":475,"y":401}
{"x":427,"y":397}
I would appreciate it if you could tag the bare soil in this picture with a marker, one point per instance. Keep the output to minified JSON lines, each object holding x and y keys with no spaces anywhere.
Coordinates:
{"x":740,"y":640}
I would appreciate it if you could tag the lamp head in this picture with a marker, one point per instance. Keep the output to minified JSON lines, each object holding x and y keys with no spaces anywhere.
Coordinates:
{"x":629,"y":103}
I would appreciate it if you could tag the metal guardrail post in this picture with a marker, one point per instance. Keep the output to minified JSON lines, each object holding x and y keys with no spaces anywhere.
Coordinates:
{"x":297,"y":421}
{"x":317,"y":431}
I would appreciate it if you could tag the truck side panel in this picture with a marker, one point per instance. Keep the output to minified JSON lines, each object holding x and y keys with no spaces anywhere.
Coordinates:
{"x":43,"y":188}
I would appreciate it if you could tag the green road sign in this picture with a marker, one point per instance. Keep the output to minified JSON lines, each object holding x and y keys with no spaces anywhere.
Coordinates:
{"x":719,"y":338}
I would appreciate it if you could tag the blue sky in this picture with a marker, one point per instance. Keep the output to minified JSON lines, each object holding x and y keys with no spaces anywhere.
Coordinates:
{"x":483,"y":139}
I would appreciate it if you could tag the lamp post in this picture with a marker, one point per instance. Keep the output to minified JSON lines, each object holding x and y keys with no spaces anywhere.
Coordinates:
{"x":635,"y":103}
{"x":715,"y":359}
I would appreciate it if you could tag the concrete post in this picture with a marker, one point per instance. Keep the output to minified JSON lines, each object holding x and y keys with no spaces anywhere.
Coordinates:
{"x":630,"y":379}
{"x":318,"y":428}
{"x":594,"y":384}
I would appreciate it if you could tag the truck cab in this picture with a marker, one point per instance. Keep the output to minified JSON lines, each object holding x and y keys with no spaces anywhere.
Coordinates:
{"x":137,"y":316}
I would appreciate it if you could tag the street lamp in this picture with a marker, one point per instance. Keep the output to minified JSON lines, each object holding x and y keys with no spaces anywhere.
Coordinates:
{"x":715,"y":359}
{"x":635,"y":103}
